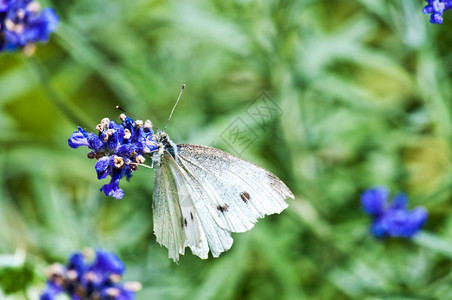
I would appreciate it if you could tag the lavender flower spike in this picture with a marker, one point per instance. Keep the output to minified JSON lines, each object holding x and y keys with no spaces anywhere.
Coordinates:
{"x":436,"y":8}
{"x":118,"y":148}
{"x":81,"y":279}
{"x":23,"y":23}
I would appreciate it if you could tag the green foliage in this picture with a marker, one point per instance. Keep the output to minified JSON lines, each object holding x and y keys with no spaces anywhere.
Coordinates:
{"x":364,"y":88}
{"x":15,"y":273}
{"x":13,"y":280}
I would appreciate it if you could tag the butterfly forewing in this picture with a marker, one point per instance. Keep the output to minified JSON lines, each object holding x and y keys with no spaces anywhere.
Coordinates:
{"x":237,"y":192}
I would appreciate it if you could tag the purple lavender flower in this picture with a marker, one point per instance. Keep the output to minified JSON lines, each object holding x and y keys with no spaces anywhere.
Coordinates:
{"x":82,"y":279}
{"x":23,"y":23}
{"x":436,"y":8}
{"x":393,"y":219}
{"x":4,"y":5}
{"x":119,"y":149}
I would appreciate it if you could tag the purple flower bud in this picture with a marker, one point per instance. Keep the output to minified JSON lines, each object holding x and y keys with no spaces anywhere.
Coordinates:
{"x":113,"y":189}
{"x":107,"y":262}
{"x":400,"y":201}
{"x":78,"y":138}
{"x":103,"y":167}
{"x":374,"y":200}
{"x":76,"y":262}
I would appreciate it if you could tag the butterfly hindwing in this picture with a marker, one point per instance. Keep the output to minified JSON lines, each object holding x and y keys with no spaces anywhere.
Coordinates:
{"x":219,"y":239}
{"x":199,"y":230}
{"x":167,"y":212}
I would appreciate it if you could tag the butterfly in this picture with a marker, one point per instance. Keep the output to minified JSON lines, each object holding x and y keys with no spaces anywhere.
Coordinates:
{"x":202,"y":195}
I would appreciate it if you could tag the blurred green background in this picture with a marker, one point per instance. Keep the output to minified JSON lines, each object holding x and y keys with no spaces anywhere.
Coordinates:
{"x":364,"y":92}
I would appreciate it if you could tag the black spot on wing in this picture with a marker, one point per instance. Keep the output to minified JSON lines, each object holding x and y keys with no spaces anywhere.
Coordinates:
{"x":183,"y":222}
{"x":245,"y":196}
{"x":223,"y":208}
{"x":191,"y":215}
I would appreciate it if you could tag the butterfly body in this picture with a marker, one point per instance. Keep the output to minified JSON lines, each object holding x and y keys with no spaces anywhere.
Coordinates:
{"x":202,"y":194}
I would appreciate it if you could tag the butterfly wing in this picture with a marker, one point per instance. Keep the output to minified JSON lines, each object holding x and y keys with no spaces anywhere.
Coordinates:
{"x":205,"y":194}
{"x":233,"y":191}
{"x":167,"y":212}
{"x":177,"y":222}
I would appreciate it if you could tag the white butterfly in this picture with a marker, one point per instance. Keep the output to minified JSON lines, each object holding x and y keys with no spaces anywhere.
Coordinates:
{"x":202,"y":194}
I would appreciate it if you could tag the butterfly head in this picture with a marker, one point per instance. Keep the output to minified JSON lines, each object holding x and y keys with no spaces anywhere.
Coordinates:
{"x":164,"y":143}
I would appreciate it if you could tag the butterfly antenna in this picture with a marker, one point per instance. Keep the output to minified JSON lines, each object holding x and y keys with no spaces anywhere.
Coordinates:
{"x":174,"y":107}
{"x":125,"y":111}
